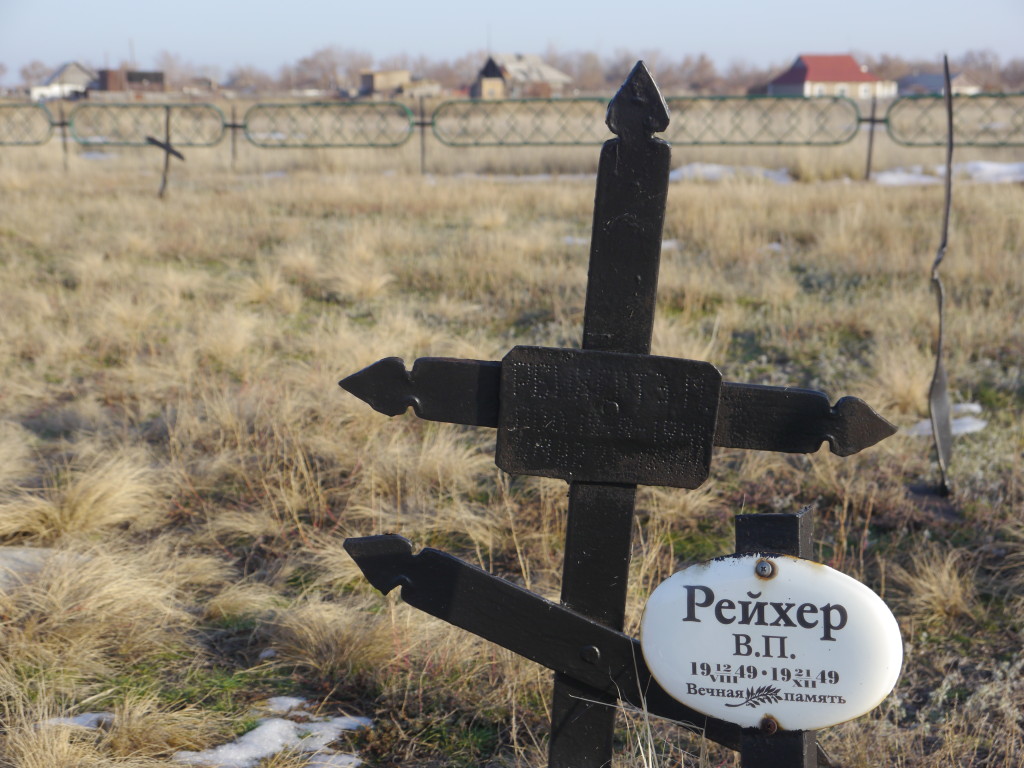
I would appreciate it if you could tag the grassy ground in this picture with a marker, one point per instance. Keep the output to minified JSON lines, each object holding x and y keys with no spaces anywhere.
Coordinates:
{"x":170,"y":424}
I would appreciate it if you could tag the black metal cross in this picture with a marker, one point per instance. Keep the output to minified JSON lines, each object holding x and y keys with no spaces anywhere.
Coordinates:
{"x":168,"y":149}
{"x":604,"y":418}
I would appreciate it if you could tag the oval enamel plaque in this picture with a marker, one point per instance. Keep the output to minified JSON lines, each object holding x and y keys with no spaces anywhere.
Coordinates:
{"x":746,"y":637}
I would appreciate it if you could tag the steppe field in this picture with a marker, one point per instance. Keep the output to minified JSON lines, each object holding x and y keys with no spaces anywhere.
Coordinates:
{"x":179,"y":469}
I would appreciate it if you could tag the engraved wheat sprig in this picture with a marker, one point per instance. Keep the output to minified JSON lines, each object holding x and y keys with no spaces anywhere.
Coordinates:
{"x":766,"y":694}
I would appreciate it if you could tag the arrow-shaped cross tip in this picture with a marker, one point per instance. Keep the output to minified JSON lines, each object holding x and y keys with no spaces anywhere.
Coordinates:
{"x":857,"y":426}
{"x":382,"y":559}
{"x":385,"y":386}
{"x":638,"y":109}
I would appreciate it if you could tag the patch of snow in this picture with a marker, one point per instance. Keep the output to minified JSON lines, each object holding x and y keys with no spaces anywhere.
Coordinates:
{"x":717,"y":172}
{"x":85,"y":720}
{"x":19,"y":564}
{"x":965,"y":425}
{"x":270,"y":737}
{"x":905,"y":177}
{"x":282,"y":705}
{"x":574,"y":240}
{"x":773,"y":248}
{"x":267,"y":653}
{"x":993,"y":173}
{"x":980,"y":171}
{"x":670,"y":245}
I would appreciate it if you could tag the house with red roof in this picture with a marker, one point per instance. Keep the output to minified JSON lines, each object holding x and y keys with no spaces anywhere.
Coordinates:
{"x":830,"y":75}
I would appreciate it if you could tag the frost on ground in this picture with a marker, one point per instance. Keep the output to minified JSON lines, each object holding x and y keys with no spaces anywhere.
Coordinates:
{"x":965,"y":424}
{"x":977,"y":171}
{"x":272,"y":735}
{"x":275,"y":734}
{"x":715,"y":172}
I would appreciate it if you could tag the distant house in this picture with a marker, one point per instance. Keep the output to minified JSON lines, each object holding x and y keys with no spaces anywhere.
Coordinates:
{"x":198,"y":86}
{"x":920,"y":84}
{"x":830,"y":75}
{"x":518,"y":76}
{"x":68,"y":81}
{"x":131,"y":81}
{"x":386,"y":82}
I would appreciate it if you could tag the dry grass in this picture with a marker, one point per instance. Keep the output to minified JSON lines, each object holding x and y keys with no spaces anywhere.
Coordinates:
{"x":171,"y":426}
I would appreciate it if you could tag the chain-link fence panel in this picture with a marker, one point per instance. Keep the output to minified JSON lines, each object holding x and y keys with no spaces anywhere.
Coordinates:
{"x":128,"y":125}
{"x":761,"y":120}
{"x":521,"y":122}
{"x":341,"y":124}
{"x":24,"y":124}
{"x":983,"y":120}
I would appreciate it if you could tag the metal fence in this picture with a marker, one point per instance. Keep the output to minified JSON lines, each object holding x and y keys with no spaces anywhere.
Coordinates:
{"x":984,"y":120}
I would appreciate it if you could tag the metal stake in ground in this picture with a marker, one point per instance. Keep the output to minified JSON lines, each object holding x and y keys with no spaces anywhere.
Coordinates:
{"x":604,"y":418}
{"x":165,"y":145}
{"x":938,"y":393}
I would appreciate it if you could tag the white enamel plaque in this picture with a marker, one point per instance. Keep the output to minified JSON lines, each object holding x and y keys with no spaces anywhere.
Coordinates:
{"x":749,"y":636}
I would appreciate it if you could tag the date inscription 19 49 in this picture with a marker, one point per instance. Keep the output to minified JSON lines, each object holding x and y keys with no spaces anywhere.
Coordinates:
{"x":741,"y":646}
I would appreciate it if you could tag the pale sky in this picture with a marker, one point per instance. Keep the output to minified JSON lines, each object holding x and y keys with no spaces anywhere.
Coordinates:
{"x":269,"y":34}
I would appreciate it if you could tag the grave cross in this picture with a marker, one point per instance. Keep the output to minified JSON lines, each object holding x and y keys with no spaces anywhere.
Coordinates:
{"x":168,"y":149}
{"x":605,"y":418}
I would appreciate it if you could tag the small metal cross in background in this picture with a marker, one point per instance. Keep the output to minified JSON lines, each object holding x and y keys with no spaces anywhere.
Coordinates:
{"x":169,"y":150}
{"x":604,"y":418}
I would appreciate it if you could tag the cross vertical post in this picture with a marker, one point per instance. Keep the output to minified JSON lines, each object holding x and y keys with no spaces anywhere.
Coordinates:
{"x":625,"y":250}
{"x":783,"y":534}
{"x":168,"y":149}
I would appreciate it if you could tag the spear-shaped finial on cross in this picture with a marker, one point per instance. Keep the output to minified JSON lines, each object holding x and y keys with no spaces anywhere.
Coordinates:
{"x":638,"y":108}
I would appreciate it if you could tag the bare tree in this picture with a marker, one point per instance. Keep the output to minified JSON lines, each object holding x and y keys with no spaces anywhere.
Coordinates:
{"x":1013,"y":75}
{"x":702,"y":75}
{"x":398,"y":61}
{"x":981,"y":66}
{"x":288,"y":77}
{"x":34,"y":73}
{"x":176,"y":70}
{"x":321,"y":69}
{"x":249,"y":79}
{"x":3,"y":70}
{"x":331,"y":68}
{"x":588,"y":74}
{"x":741,"y":78}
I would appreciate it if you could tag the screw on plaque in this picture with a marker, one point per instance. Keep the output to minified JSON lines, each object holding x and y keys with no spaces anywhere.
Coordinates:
{"x":765,"y":569}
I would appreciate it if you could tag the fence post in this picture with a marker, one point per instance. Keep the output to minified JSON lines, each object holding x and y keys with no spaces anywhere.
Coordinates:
{"x":234,"y":137}
{"x":871,"y":138}
{"x":167,"y":155}
{"x":64,"y":135}
{"x":423,"y":123}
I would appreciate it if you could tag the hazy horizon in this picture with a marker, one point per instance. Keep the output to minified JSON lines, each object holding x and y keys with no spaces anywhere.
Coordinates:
{"x":269,"y":35}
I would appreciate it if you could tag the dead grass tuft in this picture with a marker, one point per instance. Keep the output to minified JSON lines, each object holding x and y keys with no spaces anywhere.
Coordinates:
{"x":330,"y":642}
{"x":91,"y":493}
{"x":86,"y":612}
{"x":142,"y":727}
{"x":938,"y":587}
